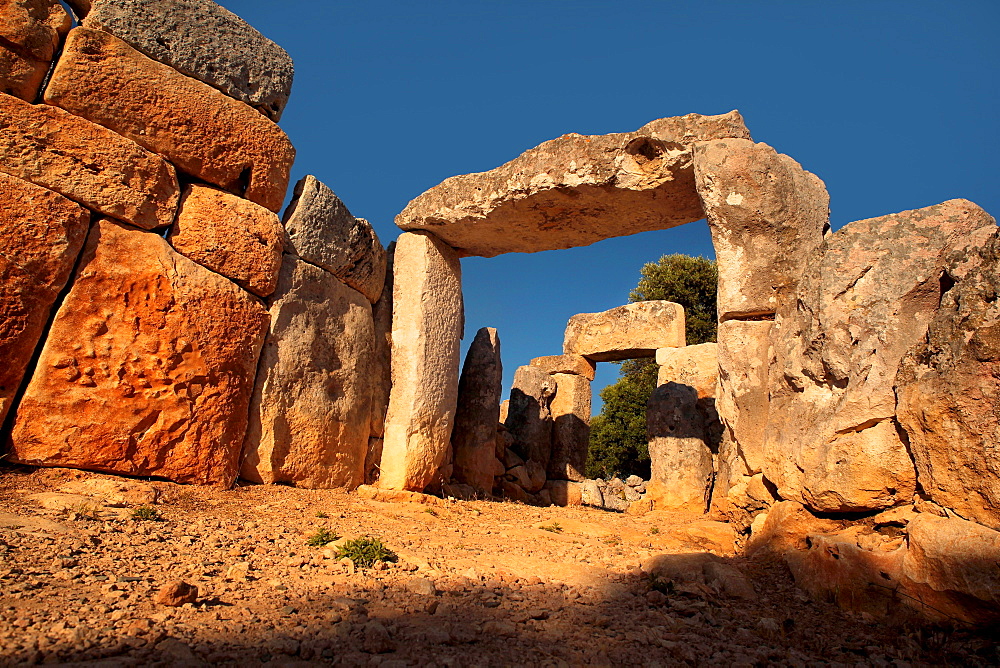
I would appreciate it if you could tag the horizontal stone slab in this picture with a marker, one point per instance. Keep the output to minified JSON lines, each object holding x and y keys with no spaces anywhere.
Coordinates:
{"x":626,"y":332}
{"x":574,"y":364}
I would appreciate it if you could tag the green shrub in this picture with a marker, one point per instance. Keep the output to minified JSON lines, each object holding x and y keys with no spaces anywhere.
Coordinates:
{"x":554,"y":527}
{"x":321,"y":537}
{"x":146,"y":514}
{"x":365,"y":551}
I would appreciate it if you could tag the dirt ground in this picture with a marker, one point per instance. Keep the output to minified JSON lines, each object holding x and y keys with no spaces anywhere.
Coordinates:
{"x":476,"y":583}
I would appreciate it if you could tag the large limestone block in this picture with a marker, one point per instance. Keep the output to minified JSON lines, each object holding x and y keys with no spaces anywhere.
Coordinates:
{"x":574,"y":190}
{"x":948,"y":391}
{"x":696,"y":366}
{"x":427,"y":323}
{"x":20,"y":76}
{"x":30,"y":31}
{"x":41,"y":234}
{"x":679,"y":458}
{"x":203,"y":132}
{"x":529,"y":415}
{"x":206,"y":41}
{"x":148,"y":367}
{"x":767,"y":215}
{"x":832,"y":440}
{"x":474,"y":437}
{"x":231,"y":236}
{"x":87,"y":163}
{"x":625,"y":332}
{"x":322,"y":231}
{"x":311,"y":403}
{"x":382,"y":362}
{"x":744,"y":351}
{"x":575,"y":364}
{"x":570,"y":410}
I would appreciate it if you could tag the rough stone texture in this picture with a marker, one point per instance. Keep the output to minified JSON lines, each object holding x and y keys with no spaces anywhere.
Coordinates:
{"x":767,"y":215}
{"x":321,"y":230}
{"x":787,"y":527}
{"x":626,"y":332}
{"x":202,"y":131}
{"x":744,"y":353}
{"x":565,"y":492}
{"x":948,"y":391}
{"x":309,"y":417}
{"x":205,"y":41}
{"x":148,"y":367}
{"x":20,"y":76}
{"x":575,"y":364}
{"x":373,"y":460}
{"x":679,"y":458}
{"x":87,"y":163}
{"x":79,"y":7}
{"x":427,"y":324}
{"x":382,"y":362}
{"x":41,"y":234}
{"x":529,"y":417}
{"x":574,"y":190}
{"x":697,"y":366}
{"x":474,"y":437}
{"x":570,"y":410}
{"x":231,"y":236}
{"x":832,"y":440}
{"x":30,"y":31}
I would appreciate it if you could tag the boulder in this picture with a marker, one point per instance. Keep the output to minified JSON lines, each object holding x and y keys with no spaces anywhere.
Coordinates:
{"x":473,"y":438}
{"x":787,"y":528}
{"x":231,"y":236}
{"x":948,"y":390}
{"x":206,"y":41}
{"x":147,"y":369}
{"x":529,"y":417}
{"x":322,"y":231}
{"x":530,"y":476}
{"x":87,"y":163}
{"x":744,"y":353}
{"x":591,"y":494}
{"x":574,"y":364}
{"x":570,"y":410}
{"x":832,"y":439}
{"x":679,"y":458}
{"x":427,"y":324}
{"x":30,"y":31}
{"x":203,"y":132}
{"x":696,"y":366}
{"x":574,"y":190}
{"x":309,"y":418}
{"x":565,"y":492}
{"x":20,"y":76}
{"x":41,"y":234}
{"x":382,"y":360}
{"x":767,"y":216}
{"x":626,"y":332}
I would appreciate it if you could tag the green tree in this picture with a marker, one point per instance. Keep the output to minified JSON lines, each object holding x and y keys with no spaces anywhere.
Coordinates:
{"x":618,"y":435}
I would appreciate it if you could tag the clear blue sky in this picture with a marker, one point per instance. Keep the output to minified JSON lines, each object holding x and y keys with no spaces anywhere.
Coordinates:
{"x":893,"y":104}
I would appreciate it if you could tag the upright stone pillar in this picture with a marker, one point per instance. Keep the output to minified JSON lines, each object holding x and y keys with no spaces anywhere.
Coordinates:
{"x":475,"y":434}
{"x":427,"y":324}
{"x":570,"y":410}
{"x":529,"y":417}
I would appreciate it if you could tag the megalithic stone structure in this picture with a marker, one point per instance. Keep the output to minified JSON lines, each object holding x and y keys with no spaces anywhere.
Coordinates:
{"x":475,"y":433}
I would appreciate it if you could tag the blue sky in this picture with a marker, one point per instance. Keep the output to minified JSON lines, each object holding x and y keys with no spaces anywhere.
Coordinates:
{"x":892,"y":104}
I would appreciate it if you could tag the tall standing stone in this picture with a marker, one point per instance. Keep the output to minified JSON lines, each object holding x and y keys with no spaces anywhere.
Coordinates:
{"x":626,"y":332}
{"x":474,"y":437}
{"x":309,"y":419}
{"x":529,"y":416}
{"x":381,"y":371}
{"x":427,"y":324}
{"x":678,"y":454}
{"x":744,"y":349}
{"x":570,"y":410}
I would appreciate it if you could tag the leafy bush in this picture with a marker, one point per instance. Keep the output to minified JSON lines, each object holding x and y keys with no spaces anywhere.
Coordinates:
{"x":146,"y":513}
{"x":321,"y":537}
{"x":365,"y":551}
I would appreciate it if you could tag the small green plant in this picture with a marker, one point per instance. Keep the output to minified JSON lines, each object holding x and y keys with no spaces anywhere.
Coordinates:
{"x":431,"y":512}
{"x":321,"y":515}
{"x":365,"y":551}
{"x":146,"y":514}
{"x":654,"y":530}
{"x":554,"y":527}
{"x":321,"y":537}
{"x":85,"y":511}
{"x":611,"y":540}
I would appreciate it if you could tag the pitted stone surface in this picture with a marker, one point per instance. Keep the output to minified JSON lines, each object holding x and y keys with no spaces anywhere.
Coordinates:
{"x":574,"y":190}
{"x":474,"y":436}
{"x":626,"y":332}
{"x":206,"y":41}
{"x":30,"y":31}
{"x":205,"y":133}
{"x":20,"y":76}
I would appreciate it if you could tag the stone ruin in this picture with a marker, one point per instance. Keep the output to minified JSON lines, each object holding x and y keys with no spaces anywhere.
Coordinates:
{"x":159,"y":319}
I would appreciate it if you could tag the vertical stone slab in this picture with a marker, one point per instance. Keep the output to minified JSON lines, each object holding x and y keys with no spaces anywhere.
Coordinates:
{"x":679,"y":458}
{"x":309,"y":417}
{"x":382,"y":361}
{"x":30,"y":31}
{"x":41,"y":234}
{"x":148,"y":367}
{"x":744,"y":350}
{"x":570,"y":410}
{"x":427,"y":324}
{"x":474,"y":437}
{"x":529,"y":417}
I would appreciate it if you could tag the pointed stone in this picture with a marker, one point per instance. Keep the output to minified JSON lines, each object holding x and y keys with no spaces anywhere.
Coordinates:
{"x":529,"y":418}
{"x":474,"y":437}
{"x":626,"y":332}
{"x":570,"y":410}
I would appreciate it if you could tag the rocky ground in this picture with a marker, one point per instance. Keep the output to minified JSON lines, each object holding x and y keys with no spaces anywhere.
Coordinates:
{"x":476,"y":583}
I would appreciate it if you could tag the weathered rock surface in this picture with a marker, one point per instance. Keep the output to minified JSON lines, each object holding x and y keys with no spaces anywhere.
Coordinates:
{"x":231,"y":236}
{"x":203,"y":132}
{"x":205,"y":41}
{"x":529,"y":416}
{"x":427,"y":324}
{"x":87,"y":163}
{"x":767,"y":215}
{"x":565,"y":492}
{"x":474,"y":436}
{"x":148,"y":367}
{"x":309,"y":418}
{"x":322,"y":231}
{"x":570,"y":410}
{"x":744,"y":353}
{"x":30,"y":31}
{"x":382,"y":361}
{"x":696,"y":366}
{"x":41,"y":234}
{"x":679,"y":458}
{"x":948,"y":391}
{"x":833,"y":442}
{"x":625,"y":332}
{"x":373,"y":460}
{"x":574,"y":190}
{"x":20,"y":76}
{"x":575,"y":364}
